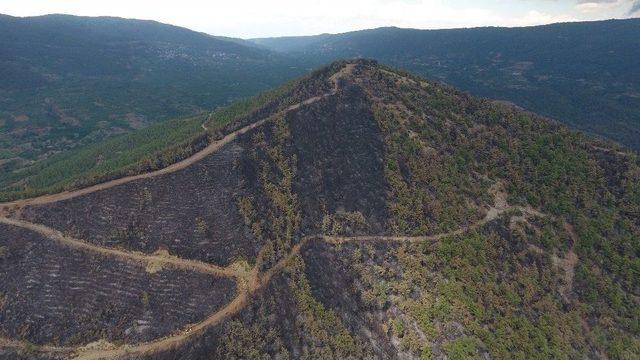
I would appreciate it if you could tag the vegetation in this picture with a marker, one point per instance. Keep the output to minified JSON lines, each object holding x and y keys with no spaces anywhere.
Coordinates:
{"x":559,"y":284}
{"x":322,"y":326}
{"x":343,"y":223}
{"x":276,"y":173}
{"x":148,"y":149}
{"x":534,"y":252}
{"x":154,"y":147}
{"x":250,"y":342}
{"x":582,"y":74}
{"x":69,"y":81}
{"x":507,"y":288}
{"x":319,"y":331}
{"x":143,"y":150}
{"x":428,"y":189}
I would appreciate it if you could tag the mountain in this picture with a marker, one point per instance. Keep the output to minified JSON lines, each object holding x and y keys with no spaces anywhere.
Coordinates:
{"x":362,"y":212}
{"x":584,"y":74}
{"x":67,"y":81}
{"x":150,"y":148}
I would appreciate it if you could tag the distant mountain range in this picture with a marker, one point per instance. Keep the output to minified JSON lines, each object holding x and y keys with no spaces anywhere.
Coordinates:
{"x":586,"y":75}
{"x":67,"y":80}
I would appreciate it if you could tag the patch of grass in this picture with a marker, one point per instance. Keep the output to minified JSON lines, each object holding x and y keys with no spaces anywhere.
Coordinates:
{"x":30,"y":348}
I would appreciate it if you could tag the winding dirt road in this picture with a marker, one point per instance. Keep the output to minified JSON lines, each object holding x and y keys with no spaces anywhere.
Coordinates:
{"x":210,"y":149}
{"x":158,"y":259}
{"x":249,"y":281}
{"x":180,"y":165}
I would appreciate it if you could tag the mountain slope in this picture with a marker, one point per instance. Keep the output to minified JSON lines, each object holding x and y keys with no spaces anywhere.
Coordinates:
{"x":584,"y":74}
{"x":366,"y":212}
{"x":143,"y":150}
{"x":68,"y":81}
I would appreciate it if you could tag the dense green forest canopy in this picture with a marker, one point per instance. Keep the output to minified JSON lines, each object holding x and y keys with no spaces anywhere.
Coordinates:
{"x":66,"y":81}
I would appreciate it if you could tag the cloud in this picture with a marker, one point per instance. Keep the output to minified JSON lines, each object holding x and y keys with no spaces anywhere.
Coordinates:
{"x":597,"y":6}
{"x":608,"y":6}
{"x":258,"y":18}
{"x":534,"y":17}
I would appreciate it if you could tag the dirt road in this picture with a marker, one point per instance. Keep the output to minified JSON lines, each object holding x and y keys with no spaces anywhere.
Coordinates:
{"x":249,"y":282}
{"x":158,"y":259}
{"x":210,"y":149}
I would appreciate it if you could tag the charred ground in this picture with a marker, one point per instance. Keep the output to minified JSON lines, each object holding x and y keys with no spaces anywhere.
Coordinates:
{"x":365,"y":213}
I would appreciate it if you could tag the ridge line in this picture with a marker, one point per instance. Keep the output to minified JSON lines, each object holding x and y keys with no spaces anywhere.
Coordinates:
{"x":180,"y":165}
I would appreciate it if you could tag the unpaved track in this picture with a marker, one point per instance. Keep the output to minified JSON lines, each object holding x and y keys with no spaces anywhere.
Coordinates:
{"x":248,"y":283}
{"x":237,"y":304}
{"x":146,"y":259}
{"x":492,"y":214}
{"x":258,"y":281}
{"x":210,"y":149}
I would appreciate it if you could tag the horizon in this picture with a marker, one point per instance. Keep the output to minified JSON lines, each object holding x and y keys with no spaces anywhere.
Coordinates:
{"x":314,"y":179}
{"x":247,"y":19}
{"x":323,"y":33}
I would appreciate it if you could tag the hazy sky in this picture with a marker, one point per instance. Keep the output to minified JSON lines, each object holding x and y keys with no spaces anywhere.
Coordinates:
{"x":256,"y":18}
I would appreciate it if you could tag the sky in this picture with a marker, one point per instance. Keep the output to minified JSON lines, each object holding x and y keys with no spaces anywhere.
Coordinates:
{"x":265,"y":18}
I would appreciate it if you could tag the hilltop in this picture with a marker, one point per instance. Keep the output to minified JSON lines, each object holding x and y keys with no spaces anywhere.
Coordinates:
{"x":583,"y":74}
{"x":362,"y":212}
{"x":84,"y":97}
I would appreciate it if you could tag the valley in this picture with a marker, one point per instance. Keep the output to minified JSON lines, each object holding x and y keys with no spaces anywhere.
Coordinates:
{"x":78,"y":95}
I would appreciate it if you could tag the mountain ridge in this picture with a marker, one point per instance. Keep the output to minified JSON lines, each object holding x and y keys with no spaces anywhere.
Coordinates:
{"x":69,"y":81}
{"x":580,"y":73}
{"x":122,"y":82}
{"x":451,"y":226}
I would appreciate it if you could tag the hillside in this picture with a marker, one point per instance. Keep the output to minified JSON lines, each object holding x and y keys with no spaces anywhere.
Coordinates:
{"x":147,"y":149}
{"x":363,"y":212}
{"x":67,"y":81}
{"x":73,"y":89}
{"x":583,"y":74}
